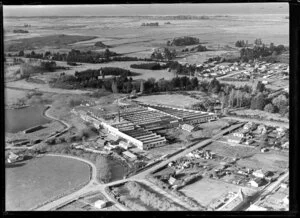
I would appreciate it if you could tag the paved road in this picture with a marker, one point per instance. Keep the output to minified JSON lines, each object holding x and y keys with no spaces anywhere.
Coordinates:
{"x":95,"y":186}
{"x":265,"y":122}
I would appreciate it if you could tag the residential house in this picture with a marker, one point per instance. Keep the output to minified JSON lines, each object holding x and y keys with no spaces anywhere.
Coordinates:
{"x":234,"y":139}
{"x":257,"y":182}
{"x":172,"y":180}
{"x":260,"y":173}
{"x":254,"y":207}
{"x":100,"y":204}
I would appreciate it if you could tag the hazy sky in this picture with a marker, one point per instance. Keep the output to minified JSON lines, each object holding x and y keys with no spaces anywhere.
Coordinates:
{"x":145,"y":9}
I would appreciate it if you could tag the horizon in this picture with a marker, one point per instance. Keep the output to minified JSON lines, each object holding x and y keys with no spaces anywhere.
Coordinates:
{"x":143,"y":10}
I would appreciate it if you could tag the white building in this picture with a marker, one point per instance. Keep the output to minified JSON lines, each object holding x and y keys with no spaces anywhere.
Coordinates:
{"x":100,"y":204}
{"x":130,"y":155}
{"x":187,"y":127}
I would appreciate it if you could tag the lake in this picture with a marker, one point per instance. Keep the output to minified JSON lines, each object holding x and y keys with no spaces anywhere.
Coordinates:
{"x":20,"y":119}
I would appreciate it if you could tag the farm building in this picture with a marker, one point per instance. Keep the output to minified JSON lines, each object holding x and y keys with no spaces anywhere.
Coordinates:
{"x":187,"y":127}
{"x":100,"y":204}
{"x":124,"y":145}
{"x":172,"y":180}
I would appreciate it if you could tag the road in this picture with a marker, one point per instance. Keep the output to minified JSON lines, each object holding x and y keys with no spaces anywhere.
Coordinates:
{"x":265,"y":122}
{"x":93,"y":185}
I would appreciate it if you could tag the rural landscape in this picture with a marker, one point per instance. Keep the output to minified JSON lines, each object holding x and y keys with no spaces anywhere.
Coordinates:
{"x":132,"y":109}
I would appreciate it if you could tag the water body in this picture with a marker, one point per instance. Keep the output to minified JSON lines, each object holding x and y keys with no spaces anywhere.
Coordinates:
{"x":20,"y":119}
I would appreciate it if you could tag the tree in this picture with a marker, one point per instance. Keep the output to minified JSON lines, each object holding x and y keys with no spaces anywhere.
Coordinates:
{"x":195,"y":82}
{"x":142,"y":86}
{"x":258,"y":102}
{"x":269,"y":108}
{"x":21,"y":54}
{"x":281,"y":103}
{"x":258,"y":42}
{"x":260,"y":87}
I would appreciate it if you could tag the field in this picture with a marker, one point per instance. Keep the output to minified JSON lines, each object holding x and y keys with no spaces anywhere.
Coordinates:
{"x":268,"y":161}
{"x":49,"y":41}
{"x":38,"y":180}
{"x":12,"y":95}
{"x":175,"y":100}
{"x":207,"y":190}
{"x":231,"y":151}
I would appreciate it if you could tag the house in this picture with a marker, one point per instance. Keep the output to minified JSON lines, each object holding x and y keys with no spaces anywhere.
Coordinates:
{"x":285,"y":145}
{"x":260,"y":173}
{"x":124,"y":145}
{"x":100,"y":204}
{"x":234,"y":139}
{"x":172,"y":180}
{"x":286,"y":200}
{"x":257,"y":182}
{"x":254,"y":207}
{"x":13,"y":157}
{"x":249,"y":126}
{"x":187,"y":127}
{"x":129,"y":155}
{"x":262,"y":129}
{"x":239,"y":134}
{"x":284,"y":185}
{"x":263,"y":150}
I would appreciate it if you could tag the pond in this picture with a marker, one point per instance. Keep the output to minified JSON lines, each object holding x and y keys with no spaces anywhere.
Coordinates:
{"x":35,"y":181}
{"x":20,"y":119}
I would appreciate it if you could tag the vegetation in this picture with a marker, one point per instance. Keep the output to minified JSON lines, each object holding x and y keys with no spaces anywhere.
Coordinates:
{"x":260,"y":50}
{"x":150,"y":24}
{"x":199,"y":48}
{"x":149,"y":66}
{"x":241,"y":43}
{"x":20,"y":31}
{"x":183,"y":41}
{"x":101,"y":44}
{"x":103,"y":168}
{"x":163,"y":54}
{"x":150,"y":198}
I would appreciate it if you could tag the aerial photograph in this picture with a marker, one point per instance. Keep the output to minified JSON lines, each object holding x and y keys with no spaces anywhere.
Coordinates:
{"x":147,"y":107}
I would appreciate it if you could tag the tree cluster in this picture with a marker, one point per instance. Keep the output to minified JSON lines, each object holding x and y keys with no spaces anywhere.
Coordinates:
{"x":149,"y":66}
{"x":183,"y":41}
{"x":163,"y":54}
{"x":150,"y":198}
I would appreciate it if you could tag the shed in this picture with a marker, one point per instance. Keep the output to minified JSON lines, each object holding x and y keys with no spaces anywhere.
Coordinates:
{"x":171,"y":180}
{"x":257,"y":182}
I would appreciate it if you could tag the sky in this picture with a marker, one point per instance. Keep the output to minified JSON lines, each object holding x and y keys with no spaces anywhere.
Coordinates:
{"x":145,"y":9}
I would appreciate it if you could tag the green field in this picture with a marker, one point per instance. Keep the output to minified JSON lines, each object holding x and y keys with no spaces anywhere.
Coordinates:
{"x":38,"y":180}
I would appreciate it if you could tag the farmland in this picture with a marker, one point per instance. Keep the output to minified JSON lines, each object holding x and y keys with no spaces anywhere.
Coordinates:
{"x":38,"y":180}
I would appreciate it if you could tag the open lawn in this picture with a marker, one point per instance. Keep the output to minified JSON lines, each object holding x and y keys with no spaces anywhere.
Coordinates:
{"x":40,"y":179}
{"x":206,"y":190}
{"x":12,"y":95}
{"x":175,"y":100}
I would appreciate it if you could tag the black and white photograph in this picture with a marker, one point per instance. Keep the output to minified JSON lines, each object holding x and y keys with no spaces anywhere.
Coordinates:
{"x":147,"y":107}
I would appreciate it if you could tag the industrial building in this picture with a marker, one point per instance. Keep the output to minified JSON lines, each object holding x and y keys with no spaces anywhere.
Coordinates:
{"x":185,"y":115}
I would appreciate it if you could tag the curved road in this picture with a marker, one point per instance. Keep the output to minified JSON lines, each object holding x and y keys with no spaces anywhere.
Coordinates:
{"x":95,"y":186}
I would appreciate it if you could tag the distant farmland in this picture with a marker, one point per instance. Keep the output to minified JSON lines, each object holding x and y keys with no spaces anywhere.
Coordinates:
{"x":41,"y":179}
{"x":42,"y":41}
